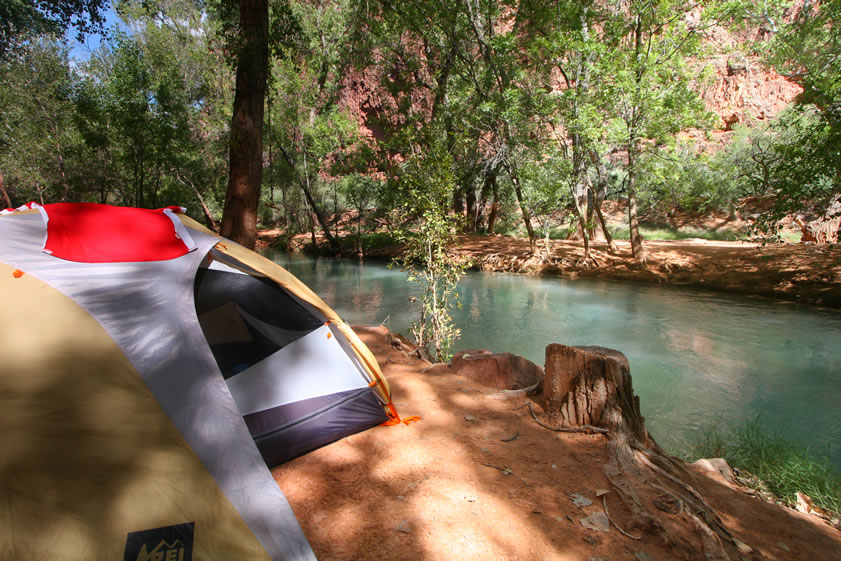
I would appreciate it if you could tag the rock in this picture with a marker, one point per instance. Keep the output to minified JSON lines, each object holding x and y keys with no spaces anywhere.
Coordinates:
{"x":504,"y":371}
{"x":716,"y":467}
{"x":742,"y":547}
{"x":784,"y":547}
{"x":403,"y":527}
{"x":469,"y":418}
{"x":804,"y":503}
{"x":642,"y":556}
{"x":580,"y":500}
{"x":737,"y":66}
{"x":438,"y":368}
{"x":597,"y":521}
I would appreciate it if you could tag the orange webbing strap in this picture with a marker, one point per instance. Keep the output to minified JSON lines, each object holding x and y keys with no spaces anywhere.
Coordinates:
{"x":394,"y":418}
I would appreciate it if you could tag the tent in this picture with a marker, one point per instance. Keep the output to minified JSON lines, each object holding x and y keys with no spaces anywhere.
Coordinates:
{"x":150,"y":374}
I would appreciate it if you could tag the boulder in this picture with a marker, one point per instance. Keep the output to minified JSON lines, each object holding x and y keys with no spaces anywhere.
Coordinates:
{"x":718,"y":468}
{"x":504,"y":371}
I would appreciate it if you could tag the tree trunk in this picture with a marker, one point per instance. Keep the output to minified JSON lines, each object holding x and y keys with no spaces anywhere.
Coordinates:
{"x":599,"y":197}
{"x":582,"y":384}
{"x":637,"y":249}
{"x":211,"y":223}
{"x":579,"y":150}
{"x":4,"y":192}
{"x":494,"y":205}
{"x":239,"y":218}
{"x":607,"y":236}
{"x":322,"y":221}
{"x":472,"y":210}
{"x":590,"y":388}
{"x":526,"y":215}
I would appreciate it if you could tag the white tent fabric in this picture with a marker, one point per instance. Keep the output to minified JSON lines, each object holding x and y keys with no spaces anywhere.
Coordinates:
{"x":283,"y":377}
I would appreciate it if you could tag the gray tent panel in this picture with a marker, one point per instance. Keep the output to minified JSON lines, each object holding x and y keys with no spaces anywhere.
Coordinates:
{"x":285,"y":432}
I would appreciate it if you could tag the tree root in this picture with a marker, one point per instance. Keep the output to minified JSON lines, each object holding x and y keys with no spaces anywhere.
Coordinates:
{"x":506,"y":471}
{"x":586,"y":429}
{"x":632,"y":467}
{"x":615,"y":525}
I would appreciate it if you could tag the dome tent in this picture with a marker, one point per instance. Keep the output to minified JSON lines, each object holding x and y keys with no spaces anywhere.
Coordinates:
{"x":143,"y":392}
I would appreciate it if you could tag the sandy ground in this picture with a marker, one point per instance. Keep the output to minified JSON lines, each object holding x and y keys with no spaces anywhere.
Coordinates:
{"x":456,"y":486}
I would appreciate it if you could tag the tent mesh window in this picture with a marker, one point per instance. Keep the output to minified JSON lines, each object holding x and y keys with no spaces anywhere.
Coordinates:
{"x":245,"y":318}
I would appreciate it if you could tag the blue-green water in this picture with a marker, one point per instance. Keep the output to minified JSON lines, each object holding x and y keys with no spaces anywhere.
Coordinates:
{"x":696,"y":356}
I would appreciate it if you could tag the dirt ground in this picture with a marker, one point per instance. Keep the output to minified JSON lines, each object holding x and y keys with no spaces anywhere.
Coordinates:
{"x":796,"y":272}
{"x":478,"y":479}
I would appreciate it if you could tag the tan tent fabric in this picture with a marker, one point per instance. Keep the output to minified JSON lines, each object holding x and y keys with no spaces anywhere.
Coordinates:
{"x":288,"y":281}
{"x":87,"y":453}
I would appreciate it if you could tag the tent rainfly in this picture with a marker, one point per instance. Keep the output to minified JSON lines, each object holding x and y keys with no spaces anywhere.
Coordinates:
{"x":151,"y":373}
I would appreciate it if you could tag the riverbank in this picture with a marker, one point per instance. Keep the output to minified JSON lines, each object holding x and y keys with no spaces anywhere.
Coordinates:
{"x":809,"y":274}
{"x":478,"y":479}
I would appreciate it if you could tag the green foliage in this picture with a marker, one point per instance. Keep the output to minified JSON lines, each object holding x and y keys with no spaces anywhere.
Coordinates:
{"x":370,"y":243}
{"x":21,"y":20}
{"x":797,"y":160}
{"x":37,"y":133}
{"x":360,"y":192}
{"x":672,"y":234}
{"x":784,"y":466}
{"x":530,"y":100}
{"x":683,"y":178}
{"x":428,"y":181}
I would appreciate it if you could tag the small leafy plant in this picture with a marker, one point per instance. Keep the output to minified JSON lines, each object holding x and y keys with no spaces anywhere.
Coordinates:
{"x":426,"y":183}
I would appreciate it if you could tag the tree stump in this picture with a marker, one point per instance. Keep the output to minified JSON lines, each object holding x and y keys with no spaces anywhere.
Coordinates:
{"x":591,"y":387}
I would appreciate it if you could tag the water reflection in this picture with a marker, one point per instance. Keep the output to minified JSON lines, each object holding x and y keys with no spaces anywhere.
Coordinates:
{"x":696,"y":356}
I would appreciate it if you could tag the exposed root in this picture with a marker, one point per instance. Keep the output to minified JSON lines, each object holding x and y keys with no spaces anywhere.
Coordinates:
{"x":586,"y":429}
{"x":633,"y":467}
{"x":615,"y":525}
{"x":506,"y":471}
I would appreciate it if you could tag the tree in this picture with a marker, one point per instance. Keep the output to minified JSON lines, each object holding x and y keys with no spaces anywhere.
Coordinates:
{"x":37,"y":132}
{"x":428,"y":181}
{"x":21,"y":20}
{"x":309,"y":127}
{"x":647,"y":76}
{"x":181,"y":51}
{"x":566,"y":51}
{"x":803,"y":167}
{"x":239,"y":217}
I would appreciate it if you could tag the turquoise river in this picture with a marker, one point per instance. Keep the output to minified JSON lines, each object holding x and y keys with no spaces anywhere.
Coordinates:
{"x":697,"y":357}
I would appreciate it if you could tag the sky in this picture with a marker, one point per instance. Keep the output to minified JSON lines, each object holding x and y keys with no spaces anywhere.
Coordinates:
{"x":81,"y":52}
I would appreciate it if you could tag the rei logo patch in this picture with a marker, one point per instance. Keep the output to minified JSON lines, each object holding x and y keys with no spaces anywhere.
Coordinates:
{"x":170,"y":543}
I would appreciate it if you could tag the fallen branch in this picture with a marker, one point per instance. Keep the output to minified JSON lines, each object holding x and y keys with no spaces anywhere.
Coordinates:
{"x":615,"y":525}
{"x":510,"y":438}
{"x":506,"y":471}
{"x":586,"y":429}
